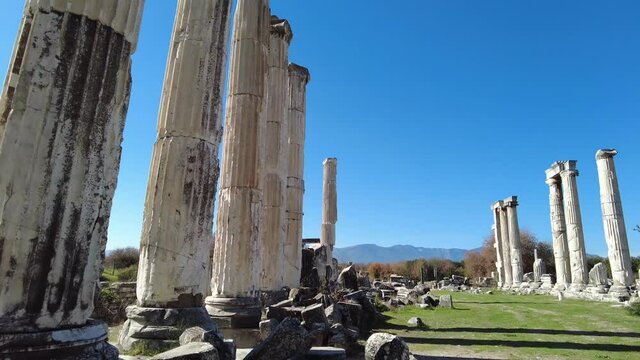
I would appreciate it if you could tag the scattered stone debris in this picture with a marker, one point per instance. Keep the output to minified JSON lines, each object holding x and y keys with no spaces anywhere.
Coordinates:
{"x":416,"y":321}
{"x":446,"y":301}
{"x":190,"y":351}
{"x":290,"y":339}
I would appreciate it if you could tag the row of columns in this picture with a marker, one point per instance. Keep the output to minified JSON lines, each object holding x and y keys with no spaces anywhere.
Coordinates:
{"x":62,"y":112}
{"x":507,"y":242}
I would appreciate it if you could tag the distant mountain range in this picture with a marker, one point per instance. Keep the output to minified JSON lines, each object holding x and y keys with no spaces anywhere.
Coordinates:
{"x":366,"y":253}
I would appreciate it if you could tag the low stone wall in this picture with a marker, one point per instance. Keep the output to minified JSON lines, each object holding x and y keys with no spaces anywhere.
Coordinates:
{"x":112,"y":301}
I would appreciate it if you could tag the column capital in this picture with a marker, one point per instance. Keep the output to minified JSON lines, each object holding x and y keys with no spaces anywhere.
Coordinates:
{"x":511,"y":201}
{"x":330,"y":161}
{"x":300,"y":71}
{"x":497,"y":205}
{"x":281,"y":28}
{"x":553,"y":181}
{"x":568,"y":173}
{"x":606,"y":153}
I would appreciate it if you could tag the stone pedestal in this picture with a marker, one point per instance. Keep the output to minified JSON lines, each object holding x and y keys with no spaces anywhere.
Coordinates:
{"x":62,"y":114}
{"x":614,"y":226}
{"x":274,"y":225}
{"x":510,"y":204}
{"x":573,"y":219}
{"x":235,"y":283}
{"x":558,"y":230}
{"x":506,"y":248}
{"x":329,"y":217}
{"x":178,"y":218}
{"x":298,"y":79}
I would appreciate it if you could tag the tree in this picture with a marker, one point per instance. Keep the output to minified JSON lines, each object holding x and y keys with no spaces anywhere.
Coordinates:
{"x":122,"y":258}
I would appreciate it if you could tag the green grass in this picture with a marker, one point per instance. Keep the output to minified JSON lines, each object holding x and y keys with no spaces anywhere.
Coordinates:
{"x":508,"y":326}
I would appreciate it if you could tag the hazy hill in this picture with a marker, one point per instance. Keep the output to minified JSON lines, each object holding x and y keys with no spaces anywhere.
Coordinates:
{"x":367,"y":253}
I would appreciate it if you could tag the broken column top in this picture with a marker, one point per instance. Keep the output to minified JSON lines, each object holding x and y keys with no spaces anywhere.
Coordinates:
{"x":560,"y":166}
{"x":511,"y":201}
{"x":123,"y":16}
{"x":282,"y":28}
{"x":300,"y":71}
{"x":330,"y":160}
{"x":606,"y":153}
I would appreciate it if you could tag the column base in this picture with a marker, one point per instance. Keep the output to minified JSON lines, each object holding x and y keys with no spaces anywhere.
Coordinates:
{"x":159,"y":329}
{"x":85,"y":342}
{"x":235,"y":313}
{"x":577,"y":287}
{"x":535,"y":285}
{"x":621,"y":292}
{"x":561,"y":287}
{"x":597,"y":289}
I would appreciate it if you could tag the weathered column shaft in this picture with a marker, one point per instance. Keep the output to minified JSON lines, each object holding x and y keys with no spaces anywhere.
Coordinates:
{"x":329,"y":212}
{"x":178,"y":217}
{"x":298,"y":79}
{"x":236,"y":259}
{"x":575,"y":235}
{"x":514,"y":239}
{"x":276,"y":158}
{"x":615,"y":230}
{"x":497,"y":234}
{"x":506,"y":248}
{"x":63,"y":109}
{"x":559,"y":233}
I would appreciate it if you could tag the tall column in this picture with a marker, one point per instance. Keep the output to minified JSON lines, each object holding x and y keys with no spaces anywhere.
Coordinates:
{"x":63,"y":109}
{"x":235,"y":283}
{"x":615,"y":231}
{"x":329,"y":214}
{"x":559,"y":233}
{"x":276,"y":157}
{"x":510,"y":204}
{"x":497,"y":234}
{"x":573,"y":219}
{"x":178,"y":218}
{"x":298,"y":79}
{"x":506,"y":248}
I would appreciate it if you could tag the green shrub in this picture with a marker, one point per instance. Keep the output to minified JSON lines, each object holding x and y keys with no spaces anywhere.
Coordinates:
{"x":634,"y":309}
{"x":122,"y":258}
{"x":127,"y":274}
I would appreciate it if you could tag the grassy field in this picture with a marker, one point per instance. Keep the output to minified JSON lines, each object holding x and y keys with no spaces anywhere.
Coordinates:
{"x":504,"y":326}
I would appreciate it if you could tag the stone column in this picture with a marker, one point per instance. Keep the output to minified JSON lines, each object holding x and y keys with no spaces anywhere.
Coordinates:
{"x":507,"y":281}
{"x":235,"y":283}
{"x":497,"y":234}
{"x":615,"y":231}
{"x":298,"y":79}
{"x":510,"y":204}
{"x":559,"y":233}
{"x":329,"y":216}
{"x":573,"y":219}
{"x":63,"y":110}
{"x":276,"y":157}
{"x":178,"y":217}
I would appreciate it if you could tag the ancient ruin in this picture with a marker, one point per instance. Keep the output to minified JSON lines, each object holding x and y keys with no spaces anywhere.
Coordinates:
{"x":326,"y":270}
{"x":62,"y":112}
{"x":561,"y":177}
{"x":237,"y":265}
{"x":559,"y":234}
{"x":498,"y":243}
{"x":298,"y":79}
{"x":178,"y":218}
{"x":276,"y":158}
{"x":615,"y":231}
{"x":510,"y":205}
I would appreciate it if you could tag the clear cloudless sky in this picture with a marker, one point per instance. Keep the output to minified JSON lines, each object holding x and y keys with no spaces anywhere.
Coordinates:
{"x":435,"y":109}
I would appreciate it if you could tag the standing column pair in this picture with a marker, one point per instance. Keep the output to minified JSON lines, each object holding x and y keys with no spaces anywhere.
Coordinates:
{"x":498,"y":242}
{"x":566,"y":225}
{"x":507,"y":232}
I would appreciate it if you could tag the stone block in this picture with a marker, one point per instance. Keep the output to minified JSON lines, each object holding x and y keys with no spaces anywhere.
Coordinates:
{"x":382,"y":346}
{"x":190,"y":351}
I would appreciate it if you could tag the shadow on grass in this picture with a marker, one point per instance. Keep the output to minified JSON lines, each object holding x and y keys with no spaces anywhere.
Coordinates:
{"x":522,"y":344}
{"x":505,"y":302}
{"x":426,"y":357}
{"x":541,"y":331}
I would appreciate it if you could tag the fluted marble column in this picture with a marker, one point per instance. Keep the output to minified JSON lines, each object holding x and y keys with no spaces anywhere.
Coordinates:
{"x":506,"y":248}
{"x":178,"y":217}
{"x":510,"y":204}
{"x":575,"y":235}
{"x":329,"y":214}
{"x":497,"y":234}
{"x":298,"y":79}
{"x":235,"y":282}
{"x":62,"y":114}
{"x":559,"y":233}
{"x":276,"y":157}
{"x":615,"y":230}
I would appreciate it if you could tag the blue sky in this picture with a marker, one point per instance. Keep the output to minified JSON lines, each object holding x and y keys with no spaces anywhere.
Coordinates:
{"x":435,"y":109}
